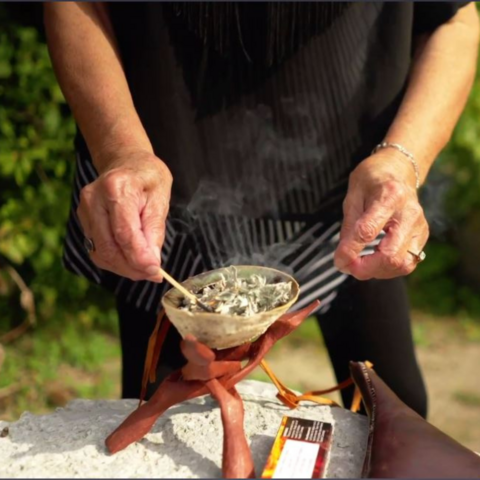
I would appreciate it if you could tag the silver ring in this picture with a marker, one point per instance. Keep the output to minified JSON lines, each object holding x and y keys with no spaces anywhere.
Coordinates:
{"x":419,"y":257}
{"x":88,"y":244}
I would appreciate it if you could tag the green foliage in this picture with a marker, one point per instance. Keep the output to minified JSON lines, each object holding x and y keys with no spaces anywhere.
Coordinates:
{"x":66,"y":354}
{"x":54,"y":365}
{"x":438,"y":285}
{"x":471,"y":399}
{"x":461,"y":160}
{"x":431,"y":288}
{"x":36,"y":168}
{"x":435,"y":287}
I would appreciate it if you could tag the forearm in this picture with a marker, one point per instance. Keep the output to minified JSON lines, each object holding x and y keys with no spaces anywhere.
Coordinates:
{"x":88,"y":67}
{"x":441,"y":78}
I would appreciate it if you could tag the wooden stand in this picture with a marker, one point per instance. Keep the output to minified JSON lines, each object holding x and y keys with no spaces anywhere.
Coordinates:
{"x":214,"y":372}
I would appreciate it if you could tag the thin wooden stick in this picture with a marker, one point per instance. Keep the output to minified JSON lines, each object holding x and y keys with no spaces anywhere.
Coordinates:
{"x":184,"y":291}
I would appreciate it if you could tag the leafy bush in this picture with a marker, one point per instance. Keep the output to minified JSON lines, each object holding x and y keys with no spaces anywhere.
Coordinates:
{"x":36,"y":173}
{"x":36,"y":168}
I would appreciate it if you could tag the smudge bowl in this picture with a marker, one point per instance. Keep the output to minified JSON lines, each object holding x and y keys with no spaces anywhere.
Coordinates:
{"x":220,"y":331}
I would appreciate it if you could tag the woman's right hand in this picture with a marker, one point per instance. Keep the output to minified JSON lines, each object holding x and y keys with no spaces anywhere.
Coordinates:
{"x":124,"y":213}
{"x":124,"y":210}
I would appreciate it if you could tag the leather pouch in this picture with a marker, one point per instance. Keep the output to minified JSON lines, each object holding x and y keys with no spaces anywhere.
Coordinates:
{"x":401,"y":443}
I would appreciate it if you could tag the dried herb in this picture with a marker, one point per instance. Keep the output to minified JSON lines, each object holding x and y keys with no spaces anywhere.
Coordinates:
{"x":232,"y":295}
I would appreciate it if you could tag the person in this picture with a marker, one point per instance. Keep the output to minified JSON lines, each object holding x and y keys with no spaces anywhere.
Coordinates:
{"x":220,"y":133}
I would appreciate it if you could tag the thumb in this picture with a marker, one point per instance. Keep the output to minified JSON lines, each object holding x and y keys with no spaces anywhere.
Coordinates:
{"x":364,"y":221}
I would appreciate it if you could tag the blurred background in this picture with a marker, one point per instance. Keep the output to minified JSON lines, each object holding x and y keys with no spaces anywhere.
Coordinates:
{"x":58,"y":334}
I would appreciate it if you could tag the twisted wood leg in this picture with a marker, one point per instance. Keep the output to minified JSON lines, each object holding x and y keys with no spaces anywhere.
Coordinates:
{"x":141,"y":420}
{"x":237,"y":459}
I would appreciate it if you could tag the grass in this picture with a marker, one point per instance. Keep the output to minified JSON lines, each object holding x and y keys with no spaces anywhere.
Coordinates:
{"x":426,"y":331}
{"x":48,"y":367}
{"x":420,"y":335}
{"x":471,"y":328}
{"x":469,"y":399}
{"x":307,"y":332}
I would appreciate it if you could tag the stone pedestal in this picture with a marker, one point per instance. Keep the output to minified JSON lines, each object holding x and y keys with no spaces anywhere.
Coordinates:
{"x":186,"y":442}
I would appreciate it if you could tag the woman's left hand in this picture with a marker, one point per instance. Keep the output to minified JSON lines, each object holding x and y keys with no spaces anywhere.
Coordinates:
{"x":381,"y":196}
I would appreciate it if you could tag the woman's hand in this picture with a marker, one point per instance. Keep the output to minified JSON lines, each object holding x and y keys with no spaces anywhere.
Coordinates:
{"x":381,"y":192}
{"x":381,"y":196}
{"x":124,"y":210}
{"x":124,"y":213}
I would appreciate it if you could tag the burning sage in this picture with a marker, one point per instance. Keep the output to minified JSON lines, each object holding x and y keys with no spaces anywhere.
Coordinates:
{"x":244,"y":297}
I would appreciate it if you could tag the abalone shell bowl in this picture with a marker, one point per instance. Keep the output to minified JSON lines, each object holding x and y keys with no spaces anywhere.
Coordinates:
{"x":219,"y":331}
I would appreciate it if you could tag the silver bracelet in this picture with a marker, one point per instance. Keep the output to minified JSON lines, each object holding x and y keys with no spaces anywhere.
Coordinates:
{"x":403,"y":150}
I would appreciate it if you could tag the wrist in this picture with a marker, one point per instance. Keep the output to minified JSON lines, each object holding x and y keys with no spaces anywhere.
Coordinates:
{"x":117,"y":155}
{"x":138,"y":164}
{"x":388,"y":165}
{"x":400,"y":154}
{"x":123,"y":141}
{"x":423,"y":148}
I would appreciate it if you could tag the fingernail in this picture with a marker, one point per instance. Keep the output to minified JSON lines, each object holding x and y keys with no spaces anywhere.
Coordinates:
{"x":153,"y":270}
{"x":156,"y":250}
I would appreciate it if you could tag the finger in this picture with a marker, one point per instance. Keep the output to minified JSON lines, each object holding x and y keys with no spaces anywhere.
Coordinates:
{"x":416,"y":246}
{"x":399,"y":230}
{"x":383,"y":266}
{"x":107,"y":254}
{"x":153,"y":219}
{"x":95,"y":223}
{"x":360,"y":230}
{"x":127,"y":231}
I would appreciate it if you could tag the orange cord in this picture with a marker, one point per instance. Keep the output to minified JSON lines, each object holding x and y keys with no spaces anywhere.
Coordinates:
{"x":291,"y":399}
{"x":147,"y":368}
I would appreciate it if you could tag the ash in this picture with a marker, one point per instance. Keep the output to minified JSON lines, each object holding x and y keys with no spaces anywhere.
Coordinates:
{"x":241,"y":296}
